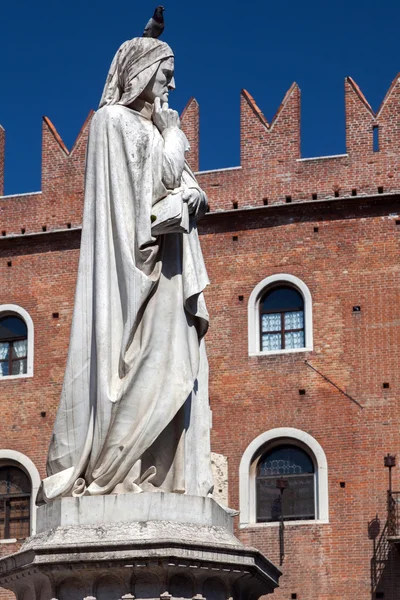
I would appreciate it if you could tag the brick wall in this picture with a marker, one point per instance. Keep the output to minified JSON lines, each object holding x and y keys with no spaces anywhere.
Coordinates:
{"x":271,"y":204}
{"x":351,"y":260}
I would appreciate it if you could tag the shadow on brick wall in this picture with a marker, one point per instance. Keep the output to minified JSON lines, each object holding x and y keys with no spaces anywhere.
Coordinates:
{"x":385,"y":563}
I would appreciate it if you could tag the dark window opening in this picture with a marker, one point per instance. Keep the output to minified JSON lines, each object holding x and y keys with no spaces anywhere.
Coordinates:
{"x":13,"y":346}
{"x":298,"y":499}
{"x":375,"y":131}
{"x":336,"y":193}
{"x":282,"y":319}
{"x":288,"y":198}
{"x":15,"y":496}
{"x":380,"y":189}
{"x":354,"y":192}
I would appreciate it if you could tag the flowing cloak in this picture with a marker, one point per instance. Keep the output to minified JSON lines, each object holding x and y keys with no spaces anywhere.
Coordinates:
{"x":134,"y":412}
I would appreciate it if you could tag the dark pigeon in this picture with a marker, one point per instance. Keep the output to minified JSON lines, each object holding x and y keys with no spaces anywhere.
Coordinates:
{"x":155,"y":26}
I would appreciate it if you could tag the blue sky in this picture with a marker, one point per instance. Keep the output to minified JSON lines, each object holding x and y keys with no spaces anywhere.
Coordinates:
{"x":54,"y":57}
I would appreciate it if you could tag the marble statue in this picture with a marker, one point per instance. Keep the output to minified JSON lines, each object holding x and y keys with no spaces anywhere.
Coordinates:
{"x":134,"y":412}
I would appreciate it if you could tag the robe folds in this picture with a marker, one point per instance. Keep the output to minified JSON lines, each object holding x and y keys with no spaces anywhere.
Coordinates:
{"x":134,"y":413}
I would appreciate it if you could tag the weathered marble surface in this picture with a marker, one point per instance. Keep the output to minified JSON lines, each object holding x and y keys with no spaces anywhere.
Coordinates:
{"x":114,"y":508}
{"x":134,"y":413}
{"x":219,"y":466}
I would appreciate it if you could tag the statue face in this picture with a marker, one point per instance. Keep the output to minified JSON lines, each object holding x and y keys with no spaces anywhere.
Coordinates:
{"x":161,"y":83}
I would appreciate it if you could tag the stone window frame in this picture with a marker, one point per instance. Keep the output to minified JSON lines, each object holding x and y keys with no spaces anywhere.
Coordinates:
{"x":254,"y":314}
{"x":10,"y":309}
{"x":248,"y":468}
{"x":13,"y":457}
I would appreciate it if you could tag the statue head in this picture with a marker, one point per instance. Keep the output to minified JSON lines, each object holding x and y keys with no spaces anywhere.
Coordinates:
{"x":142,"y":67}
{"x":161,"y":83}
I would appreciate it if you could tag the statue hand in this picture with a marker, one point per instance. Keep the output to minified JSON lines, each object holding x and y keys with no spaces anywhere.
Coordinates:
{"x":164,"y":117}
{"x":196,"y":201}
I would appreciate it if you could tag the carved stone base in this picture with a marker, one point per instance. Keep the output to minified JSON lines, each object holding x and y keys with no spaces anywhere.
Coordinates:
{"x":110,"y":559}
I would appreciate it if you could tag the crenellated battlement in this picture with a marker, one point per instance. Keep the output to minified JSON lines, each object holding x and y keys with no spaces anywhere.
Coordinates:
{"x":59,"y":205}
{"x":190,"y":119}
{"x":271,"y":171}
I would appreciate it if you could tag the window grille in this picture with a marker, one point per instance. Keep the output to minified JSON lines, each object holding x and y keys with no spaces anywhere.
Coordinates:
{"x":282,"y":319}
{"x":298,"y":500}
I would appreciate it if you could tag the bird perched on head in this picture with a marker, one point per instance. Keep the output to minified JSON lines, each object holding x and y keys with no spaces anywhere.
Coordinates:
{"x":155,"y":25}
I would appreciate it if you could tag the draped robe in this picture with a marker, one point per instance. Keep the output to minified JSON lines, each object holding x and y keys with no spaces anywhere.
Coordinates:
{"x":134,"y":412}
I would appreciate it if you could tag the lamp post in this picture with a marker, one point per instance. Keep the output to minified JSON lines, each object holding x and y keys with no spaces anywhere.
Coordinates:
{"x":390,"y":462}
{"x":281,"y":484}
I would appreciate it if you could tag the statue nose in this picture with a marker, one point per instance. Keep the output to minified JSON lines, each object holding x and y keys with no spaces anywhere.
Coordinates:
{"x":171,"y":85}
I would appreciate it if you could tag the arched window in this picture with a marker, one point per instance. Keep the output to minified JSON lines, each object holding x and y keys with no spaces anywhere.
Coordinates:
{"x":15,"y":499}
{"x":13,"y":346}
{"x":280,"y":316}
{"x":16,"y":342}
{"x":282,"y":319}
{"x":298,"y":458}
{"x":296,"y":468}
{"x":22,"y":463}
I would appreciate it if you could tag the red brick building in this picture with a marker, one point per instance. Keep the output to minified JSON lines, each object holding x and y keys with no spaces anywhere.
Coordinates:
{"x":306,"y":390}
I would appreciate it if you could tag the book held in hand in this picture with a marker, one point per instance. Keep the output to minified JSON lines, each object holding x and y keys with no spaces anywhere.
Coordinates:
{"x":170,"y":215}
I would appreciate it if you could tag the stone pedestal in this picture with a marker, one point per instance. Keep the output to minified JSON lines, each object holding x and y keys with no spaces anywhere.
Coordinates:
{"x":142,"y":546}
